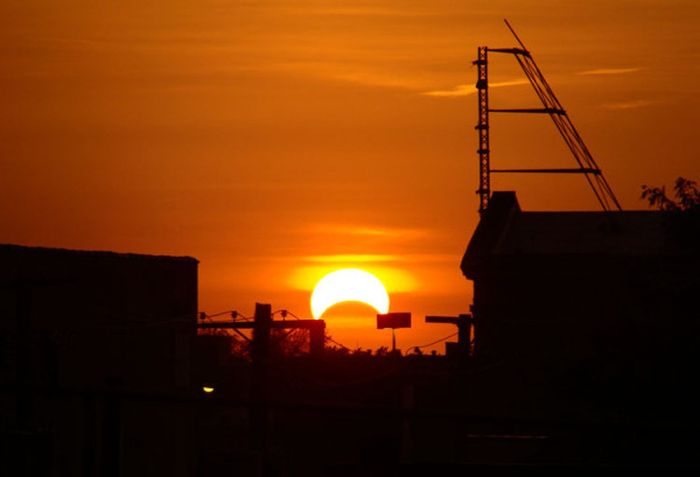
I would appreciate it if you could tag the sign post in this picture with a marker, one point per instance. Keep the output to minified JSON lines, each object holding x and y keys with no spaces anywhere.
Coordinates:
{"x":393,"y":321}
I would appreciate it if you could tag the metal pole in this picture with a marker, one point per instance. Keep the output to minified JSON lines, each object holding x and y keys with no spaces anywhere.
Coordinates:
{"x":316,"y":337}
{"x":259,"y":391}
{"x":482,"y":86}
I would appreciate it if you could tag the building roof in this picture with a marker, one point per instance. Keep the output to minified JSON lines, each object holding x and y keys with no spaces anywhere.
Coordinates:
{"x":506,"y":230}
{"x":22,"y":249}
{"x":625,"y":233}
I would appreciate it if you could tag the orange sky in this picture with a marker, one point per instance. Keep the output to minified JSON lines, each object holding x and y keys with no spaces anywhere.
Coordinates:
{"x":275,"y":141}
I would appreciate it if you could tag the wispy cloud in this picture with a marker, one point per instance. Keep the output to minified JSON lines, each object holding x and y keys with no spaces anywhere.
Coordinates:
{"x":635,"y":104}
{"x":608,"y":71}
{"x":367,"y":78}
{"x":468,"y":89}
{"x":349,"y":258}
{"x":379,"y":258}
{"x":367,"y":10}
{"x":365,"y":231}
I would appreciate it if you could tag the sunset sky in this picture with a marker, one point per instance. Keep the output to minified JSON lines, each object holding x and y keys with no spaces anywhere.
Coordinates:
{"x":278,"y":141}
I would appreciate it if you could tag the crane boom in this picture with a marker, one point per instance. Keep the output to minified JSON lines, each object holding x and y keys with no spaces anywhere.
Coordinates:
{"x":551,"y":106}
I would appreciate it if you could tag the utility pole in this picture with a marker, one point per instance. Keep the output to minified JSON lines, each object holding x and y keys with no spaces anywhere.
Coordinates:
{"x":259,"y":387}
{"x":317,"y":336}
{"x":316,"y":329}
{"x":464,"y":324}
{"x":262,"y":326}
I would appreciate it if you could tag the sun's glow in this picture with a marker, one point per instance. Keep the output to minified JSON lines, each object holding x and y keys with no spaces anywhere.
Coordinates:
{"x":349,"y":284}
{"x":207,"y":389}
{"x":395,"y":279}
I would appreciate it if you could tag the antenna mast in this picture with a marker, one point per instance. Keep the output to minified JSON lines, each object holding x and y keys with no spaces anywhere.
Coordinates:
{"x":482,"y":86}
{"x":551,"y":106}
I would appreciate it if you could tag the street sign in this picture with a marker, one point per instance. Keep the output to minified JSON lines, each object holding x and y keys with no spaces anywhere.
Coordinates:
{"x":393,"y":320}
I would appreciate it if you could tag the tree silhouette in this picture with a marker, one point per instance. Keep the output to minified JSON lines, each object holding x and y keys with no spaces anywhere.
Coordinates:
{"x":682,"y":212}
{"x":687,"y":196}
{"x":291,"y":342}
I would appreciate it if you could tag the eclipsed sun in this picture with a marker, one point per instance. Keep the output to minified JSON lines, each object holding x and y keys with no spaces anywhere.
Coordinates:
{"x":349,"y":284}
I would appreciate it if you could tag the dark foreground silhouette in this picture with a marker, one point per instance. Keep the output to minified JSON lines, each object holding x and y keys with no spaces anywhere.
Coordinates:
{"x":585,"y":357}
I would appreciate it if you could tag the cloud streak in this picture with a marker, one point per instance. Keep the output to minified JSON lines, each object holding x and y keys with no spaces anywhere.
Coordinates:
{"x":468,"y":89}
{"x":365,"y":231}
{"x":635,"y":104}
{"x":351,"y":258}
{"x":379,"y":258}
{"x":608,"y":71}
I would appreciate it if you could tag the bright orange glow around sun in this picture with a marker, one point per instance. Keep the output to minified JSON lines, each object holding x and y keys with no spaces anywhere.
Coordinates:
{"x":349,"y":284}
{"x":328,"y":135}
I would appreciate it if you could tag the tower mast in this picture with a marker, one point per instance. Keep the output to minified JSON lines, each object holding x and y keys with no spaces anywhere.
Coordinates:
{"x":482,"y":86}
{"x":551,"y":106}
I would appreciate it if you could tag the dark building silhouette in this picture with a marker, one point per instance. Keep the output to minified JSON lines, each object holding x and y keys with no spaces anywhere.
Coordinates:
{"x":588,"y":312}
{"x":94,"y":347}
{"x":586,"y":328}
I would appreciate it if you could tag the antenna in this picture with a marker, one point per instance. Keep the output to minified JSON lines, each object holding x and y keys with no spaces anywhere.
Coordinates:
{"x":551,"y":106}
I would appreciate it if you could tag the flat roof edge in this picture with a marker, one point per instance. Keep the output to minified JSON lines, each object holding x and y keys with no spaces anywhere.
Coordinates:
{"x":97,"y":253}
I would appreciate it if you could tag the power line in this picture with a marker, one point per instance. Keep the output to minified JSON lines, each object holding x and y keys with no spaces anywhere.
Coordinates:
{"x":233,"y":313}
{"x":284,"y":312}
{"x":436,"y":342}
{"x":337,"y":343}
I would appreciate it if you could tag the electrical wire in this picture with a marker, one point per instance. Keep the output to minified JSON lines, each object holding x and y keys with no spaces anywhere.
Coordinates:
{"x":284,"y":312}
{"x":233,"y":313}
{"x":337,"y":343}
{"x":437,"y":341}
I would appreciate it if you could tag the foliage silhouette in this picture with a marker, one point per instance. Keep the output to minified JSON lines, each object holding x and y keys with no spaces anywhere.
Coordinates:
{"x":687,"y":196}
{"x":683,"y":211}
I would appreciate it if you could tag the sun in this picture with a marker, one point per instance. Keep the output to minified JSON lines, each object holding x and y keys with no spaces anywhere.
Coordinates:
{"x":348,"y":284}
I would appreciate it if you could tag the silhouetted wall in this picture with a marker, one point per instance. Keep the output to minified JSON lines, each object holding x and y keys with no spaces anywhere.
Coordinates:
{"x":597,"y":304}
{"x":90,"y":342}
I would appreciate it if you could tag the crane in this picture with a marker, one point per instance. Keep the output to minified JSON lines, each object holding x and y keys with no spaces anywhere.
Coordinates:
{"x":551,"y":106}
